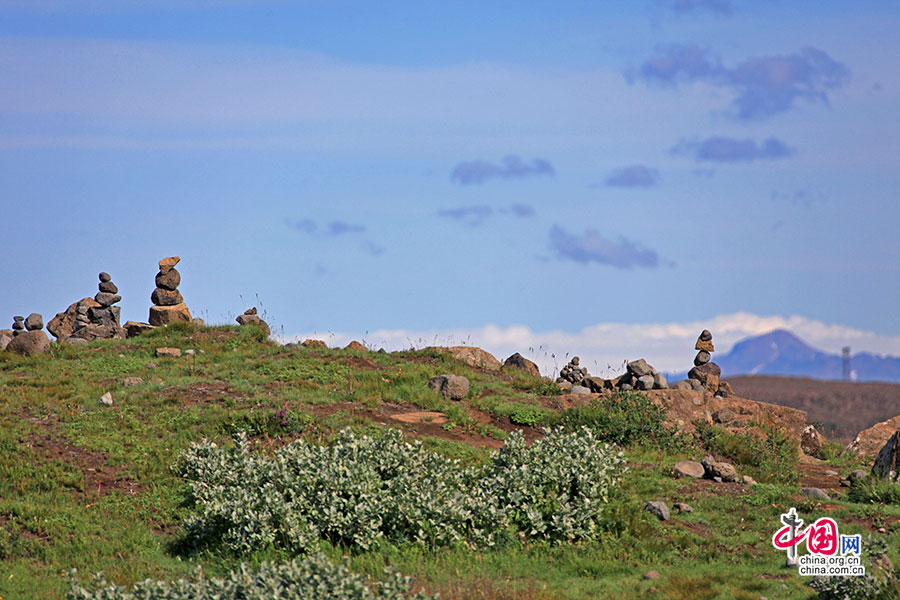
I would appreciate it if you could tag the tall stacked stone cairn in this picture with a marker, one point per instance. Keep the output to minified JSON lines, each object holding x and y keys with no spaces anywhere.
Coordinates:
{"x":705,"y":374}
{"x":168,"y":304}
{"x":97,"y":319}
{"x":27,"y":337}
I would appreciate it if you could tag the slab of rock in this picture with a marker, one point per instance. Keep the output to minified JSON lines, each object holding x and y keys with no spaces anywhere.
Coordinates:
{"x":517,"y":361}
{"x":29,"y":343}
{"x":869,"y":442}
{"x":707,"y":374}
{"x":134,"y":328}
{"x":473,"y":356}
{"x":63,"y":324}
{"x":168,"y":263}
{"x":812,"y":442}
{"x":106,"y":299}
{"x":579,"y":389}
{"x":34,"y":322}
{"x":310,"y":343}
{"x":168,"y":280}
{"x":98,"y":332}
{"x":639,"y":368}
{"x":689,"y":468}
{"x":163,"y":315}
{"x":658,"y":510}
{"x":169,"y":352}
{"x":164,"y":297}
{"x":246,"y":319}
{"x":682,"y":507}
{"x":106,"y":399}
{"x":652,"y":574}
{"x":887,"y":463}
{"x":6,"y":336}
{"x":814,"y":492}
{"x":354,"y":345}
{"x":454,"y":387}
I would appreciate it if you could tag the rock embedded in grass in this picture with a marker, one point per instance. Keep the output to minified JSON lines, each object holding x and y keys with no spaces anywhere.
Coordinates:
{"x":658,"y":509}
{"x":28,"y":343}
{"x":688,"y":468}
{"x":814,"y":492}
{"x":453,"y":387}
{"x":106,"y":399}
{"x":517,"y":361}
{"x":168,"y":352}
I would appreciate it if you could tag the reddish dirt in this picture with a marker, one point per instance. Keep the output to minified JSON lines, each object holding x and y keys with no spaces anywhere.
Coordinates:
{"x":98,"y":478}
{"x":843,"y":408}
{"x":201,"y":393}
{"x":812,"y":474}
{"x":358,"y":362}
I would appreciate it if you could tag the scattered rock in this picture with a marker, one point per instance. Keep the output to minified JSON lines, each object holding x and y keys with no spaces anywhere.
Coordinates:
{"x":29,"y":343}
{"x":106,"y":399}
{"x":74,"y":341}
{"x":719,"y":470}
{"x":517,"y":361}
{"x":814,"y":492}
{"x":34,"y":322}
{"x":170,"y":352}
{"x":250,"y":316}
{"x":682,"y":507}
{"x":309,"y":343}
{"x":639,"y":368}
{"x":189,"y":352}
{"x":747,"y":480}
{"x":811,"y":441}
{"x":580,"y":389}
{"x":354,"y":345}
{"x":689,"y":468}
{"x":830,"y":473}
{"x":132,"y":381}
{"x":658,"y":510}
{"x":726,"y":415}
{"x":150,"y":365}
{"x":856,"y":475}
{"x":133,"y":328}
{"x":163,"y":315}
{"x":652,"y":574}
{"x":454,"y":387}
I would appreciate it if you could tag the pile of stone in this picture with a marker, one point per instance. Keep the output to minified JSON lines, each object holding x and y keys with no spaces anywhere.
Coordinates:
{"x":98,"y":318}
{"x":250,"y":316}
{"x":704,"y":376}
{"x":26,"y":336}
{"x":640,"y":375}
{"x":168,"y":304}
{"x":573,"y":373}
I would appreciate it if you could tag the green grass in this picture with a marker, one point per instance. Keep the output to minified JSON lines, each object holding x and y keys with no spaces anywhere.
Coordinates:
{"x":52,"y":520}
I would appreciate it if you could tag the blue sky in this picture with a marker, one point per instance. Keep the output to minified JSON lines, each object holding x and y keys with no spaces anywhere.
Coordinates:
{"x":447,"y":170}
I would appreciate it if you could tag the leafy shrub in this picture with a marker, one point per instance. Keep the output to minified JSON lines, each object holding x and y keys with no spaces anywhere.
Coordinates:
{"x":314,"y":578}
{"x":272,"y":423}
{"x":363,"y":491}
{"x":874,"y":490}
{"x":625,"y":419}
{"x":881,"y":581}
{"x":772,"y":459}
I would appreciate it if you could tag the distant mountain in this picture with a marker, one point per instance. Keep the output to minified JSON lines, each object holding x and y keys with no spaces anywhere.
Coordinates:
{"x":781,"y":352}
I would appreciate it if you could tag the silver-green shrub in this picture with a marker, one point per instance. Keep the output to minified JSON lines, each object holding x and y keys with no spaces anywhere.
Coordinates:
{"x":363,"y":490}
{"x":314,"y":578}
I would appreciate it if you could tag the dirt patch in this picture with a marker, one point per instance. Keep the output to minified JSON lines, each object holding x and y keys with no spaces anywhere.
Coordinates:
{"x":813,"y":475}
{"x":422,"y":416}
{"x":358,"y":362}
{"x":98,"y":478}
{"x":201,"y":393}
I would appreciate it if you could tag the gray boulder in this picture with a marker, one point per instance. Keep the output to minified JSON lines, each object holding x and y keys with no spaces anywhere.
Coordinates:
{"x":454,"y":387}
{"x":639,"y":368}
{"x":34,"y":322}
{"x":29,"y":343}
{"x":658,"y":510}
{"x":689,"y":468}
{"x":579,"y":389}
{"x":659,"y":382}
{"x":517,"y":361}
{"x":644,"y":383}
{"x":887,"y":463}
{"x":722,"y":471}
{"x":814,"y":492}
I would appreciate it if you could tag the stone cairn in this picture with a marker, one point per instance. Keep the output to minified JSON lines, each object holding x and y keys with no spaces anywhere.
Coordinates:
{"x":98,"y":318}
{"x":705,"y":374}
{"x":18,"y":326}
{"x":26,"y":336}
{"x":573,"y":373}
{"x":168,"y":304}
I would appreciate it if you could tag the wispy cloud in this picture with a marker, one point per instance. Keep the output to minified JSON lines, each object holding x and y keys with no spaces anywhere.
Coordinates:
{"x":522,"y":210}
{"x":604,"y":347}
{"x":342,"y":228}
{"x":763,"y":86}
{"x":633,"y":176}
{"x":471,"y":215}
{"x":510,"y":167}
{"x":724,"y":149}
{"x":334,"y":228}
{"x":593,"y":247}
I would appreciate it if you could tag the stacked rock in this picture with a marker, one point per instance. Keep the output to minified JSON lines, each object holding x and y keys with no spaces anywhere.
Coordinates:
{"x":95,"y":319}
{"x":18,"y":325}
{"x":106,"y":313}
{"x":572,"y":373}
{"x":168,"y":304}
{"x":250,"y":316}
{"x":704,"y":373}
{"x":27,"y":336}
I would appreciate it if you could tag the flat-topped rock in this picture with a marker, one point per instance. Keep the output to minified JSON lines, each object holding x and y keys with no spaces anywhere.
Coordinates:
{"x":106,"y":299}
{"x":135,"y":328}
{"x":472,"y":356}
{"x":163,"y":315}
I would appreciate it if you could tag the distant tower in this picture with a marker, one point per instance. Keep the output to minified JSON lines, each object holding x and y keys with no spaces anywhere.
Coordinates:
{"x":845,"y":354}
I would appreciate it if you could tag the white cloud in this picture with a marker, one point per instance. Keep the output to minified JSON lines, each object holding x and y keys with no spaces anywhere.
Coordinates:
{"x":604,"y":347}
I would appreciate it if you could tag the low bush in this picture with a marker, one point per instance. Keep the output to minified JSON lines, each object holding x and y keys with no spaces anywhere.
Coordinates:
{"x":874,"y":490}
{"x":314,"y":578}
{"x":770,"y":459}
{"x":363,"y":491}
{"x":625,"y":419}
{"x":881,"y":581}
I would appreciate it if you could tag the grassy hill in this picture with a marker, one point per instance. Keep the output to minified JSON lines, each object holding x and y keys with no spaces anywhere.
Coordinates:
{"x":91,"y":487}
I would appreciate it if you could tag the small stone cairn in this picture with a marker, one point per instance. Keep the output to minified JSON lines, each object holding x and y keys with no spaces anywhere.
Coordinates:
{"x":99,"y":319}
{"x":705,"y":374}
{"x":573,"y":373}
{"x":250,"y":316}
{"x":168,"y":304}
{"x":26,"y":336}
{"x":18,"y":326}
